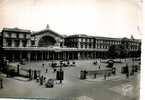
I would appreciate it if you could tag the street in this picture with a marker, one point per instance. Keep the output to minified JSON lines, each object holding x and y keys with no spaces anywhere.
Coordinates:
{"x":115,"y":88}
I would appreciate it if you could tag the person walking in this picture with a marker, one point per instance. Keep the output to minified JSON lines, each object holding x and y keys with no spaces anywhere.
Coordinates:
{"x":41,"y":80}
{"x":127,"y":75}
{"x":108,"y":75}
{"x":114,"y":71}
{"x":1,"y":83}
{"x":46,"y":70}
{"x":43,"y":65}
{"x":105,"y":76}
{"x":30,"y":74}
{"x":99,"y":67}
{"x":127,"y":71}
{"x":35,"y":74}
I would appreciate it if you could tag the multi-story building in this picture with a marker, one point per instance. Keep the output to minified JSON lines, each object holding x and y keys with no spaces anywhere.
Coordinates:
{"x":46,"y":44}
{"x":16,"y":37}
{"x":99,"y":45}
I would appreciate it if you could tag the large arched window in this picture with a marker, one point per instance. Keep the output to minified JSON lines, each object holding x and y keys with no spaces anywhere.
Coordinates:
{"x":46,"y":41}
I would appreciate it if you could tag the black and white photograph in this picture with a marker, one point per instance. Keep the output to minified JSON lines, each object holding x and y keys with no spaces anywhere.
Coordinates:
{"x":71,"y":49}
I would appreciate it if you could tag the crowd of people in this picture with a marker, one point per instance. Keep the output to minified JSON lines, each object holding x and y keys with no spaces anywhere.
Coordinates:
{"x":41,"y":75}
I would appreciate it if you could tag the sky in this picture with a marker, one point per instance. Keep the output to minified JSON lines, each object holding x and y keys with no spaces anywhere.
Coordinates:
{"x":109,"y":18}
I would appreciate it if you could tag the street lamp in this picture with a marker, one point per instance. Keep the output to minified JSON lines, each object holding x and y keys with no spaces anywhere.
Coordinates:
{"x":60,"y":73}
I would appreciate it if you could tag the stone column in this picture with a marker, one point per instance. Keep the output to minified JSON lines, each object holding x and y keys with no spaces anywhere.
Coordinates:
{"x":58,"y":55}
{"x":21,"y":44}
{"x":52,"y":55}
{"x":72,"y":55}
{"x":78,"y":55}
{"x":48,"y":55}
{"x":95,"y":54}
{"x":82,"y":56}
{"x":13,"y":43}
{"x":92,"y":56}
{"x":4,"y":43}
{"x":79,"y":45}
{"x":63,"y":55}
{"x":36,"y":56}
{"x":28,"y":43}
{"x":20,"y":55}
{"x":67,"y":55}
{"x":29,"y":56}
{"x":42,"y":55}
{"x":13,"y":57}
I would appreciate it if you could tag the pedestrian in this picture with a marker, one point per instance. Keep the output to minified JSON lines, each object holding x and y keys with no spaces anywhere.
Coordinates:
{"x":81,"y":75}
{"x":95,"y":74}
{"x":127,"y":75}
{"x":99,"y":67}
{"x":54,"y":70}
{"x":37,"y":79}
{"x":109,"y":74}
{"x":35,"y":74}
{"x":43,"y":65}
{"x":1,"y":83}
{"x":127,"y":69}
{"x":44,"y":78}
{"x":85,"y":74}
{"x":46,"y":70}
{"x":114,"y":71}
{"x":38,"y":73}
{"x":105,"y":76}
{"x":29,"y":71}
{"x":41,"y":80}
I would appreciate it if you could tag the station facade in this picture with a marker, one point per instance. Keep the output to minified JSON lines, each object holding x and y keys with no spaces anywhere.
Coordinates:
{"x":46,"y":44}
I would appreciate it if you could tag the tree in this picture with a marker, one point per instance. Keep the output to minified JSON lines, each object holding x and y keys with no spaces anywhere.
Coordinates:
{"x":123,"y":51}
{"x":125,"y":46}
{"x":117,"y":51}
{"x":114,"y":51}
{"x":139,"y":50}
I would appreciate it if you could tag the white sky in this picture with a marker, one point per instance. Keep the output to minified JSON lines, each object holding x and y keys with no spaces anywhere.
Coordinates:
{"x":112,"y":18}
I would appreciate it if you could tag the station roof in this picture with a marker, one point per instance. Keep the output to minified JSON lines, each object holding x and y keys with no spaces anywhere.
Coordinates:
{"x":46,"y":30}
{"x":16,"y":30}
{"x":100,"y":38}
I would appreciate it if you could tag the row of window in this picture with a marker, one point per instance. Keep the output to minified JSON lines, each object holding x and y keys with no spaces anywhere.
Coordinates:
{"x":87,"y":46}
{"x":98,"y":41}
{"x":87,"y":40}
{"x":97,"y":46}
{"x":16,"y":35}
{"x":133,"y":47}
{"x":134,"y":44}
{"x":15,"y":43}
{"x":101,"y":42}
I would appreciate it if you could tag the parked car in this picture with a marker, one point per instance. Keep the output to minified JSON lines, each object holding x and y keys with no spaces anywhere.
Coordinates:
{"x":50,"y":83}
{"x":110,"y":63}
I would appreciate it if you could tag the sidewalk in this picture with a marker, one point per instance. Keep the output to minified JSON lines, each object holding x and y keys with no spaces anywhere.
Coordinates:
{"x":112,"y":78}
{"x":130,"y":89}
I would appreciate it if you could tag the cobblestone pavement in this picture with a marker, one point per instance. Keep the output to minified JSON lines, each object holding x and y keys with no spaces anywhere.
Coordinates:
{"x":115,"y":88}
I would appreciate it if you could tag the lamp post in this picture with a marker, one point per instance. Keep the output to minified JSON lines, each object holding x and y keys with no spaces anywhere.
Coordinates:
{"x":60,"y":73}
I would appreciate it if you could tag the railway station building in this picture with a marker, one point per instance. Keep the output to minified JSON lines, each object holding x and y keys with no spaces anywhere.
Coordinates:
{"x":46,"y":44}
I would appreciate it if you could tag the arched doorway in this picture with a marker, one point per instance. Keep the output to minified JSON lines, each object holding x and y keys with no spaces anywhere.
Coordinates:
{"x":46,"y":41}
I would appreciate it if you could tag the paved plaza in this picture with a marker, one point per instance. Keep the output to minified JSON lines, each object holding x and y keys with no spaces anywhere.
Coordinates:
{"x":73,"y":88}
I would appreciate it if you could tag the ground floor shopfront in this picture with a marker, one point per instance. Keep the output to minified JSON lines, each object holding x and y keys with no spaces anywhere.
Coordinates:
{"x":37,"y":54}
